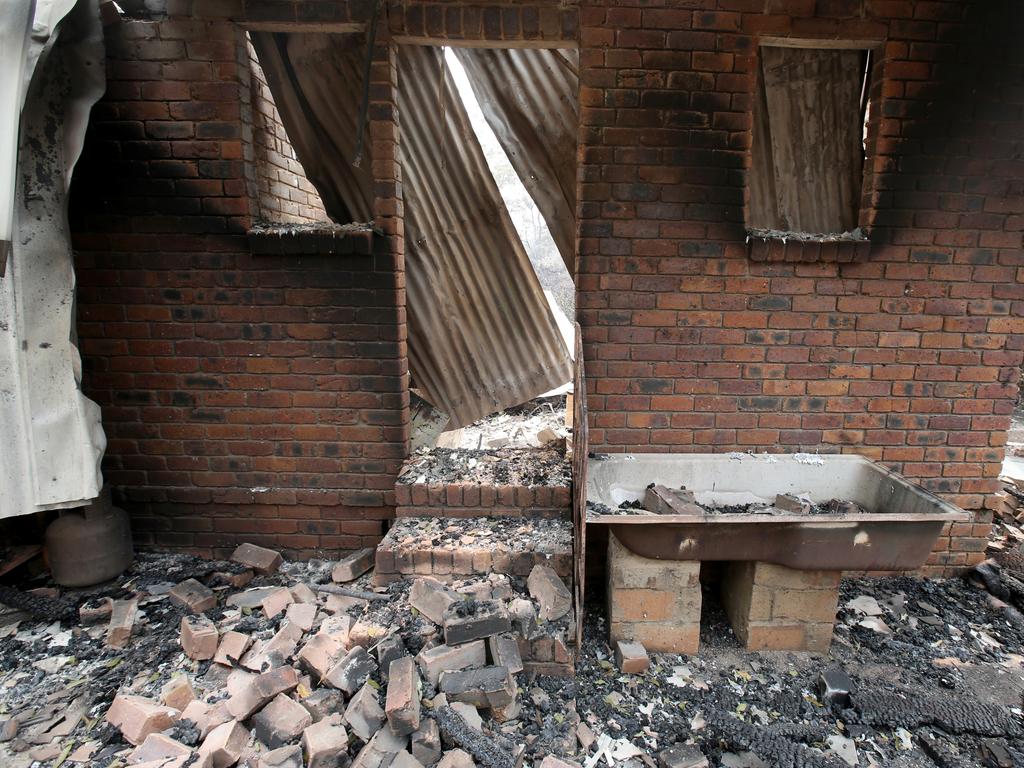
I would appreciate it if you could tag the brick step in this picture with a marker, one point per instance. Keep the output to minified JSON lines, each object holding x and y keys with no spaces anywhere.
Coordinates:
{"x":463,"y":500}
{"x":452,"y":548}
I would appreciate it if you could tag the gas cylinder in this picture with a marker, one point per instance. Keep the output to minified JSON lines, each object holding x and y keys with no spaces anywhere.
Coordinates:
{"x":89,"y":545}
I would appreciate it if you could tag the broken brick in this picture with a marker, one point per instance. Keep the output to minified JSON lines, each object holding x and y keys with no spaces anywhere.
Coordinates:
{"x":426,"y":742}
{"x":137,"y":717}
{"x":275,"y":652}
{"x":319,"y":654}
{"x":389,"y":649}
{"x":487,"y":687}
{"x":505,"y":652}
{"x":380,"y":750}
{"x":301,"y":593}
{"x":231,"y":648}
{"x":364,"y":713}
{"x":787,"y":502}
{"x":405,"y":760}
{"x":456,"y":758}
{"x":260,"y":689}
{"x":445,"y":658}
{"x":366,"y":632}
{"x":554,"y":762}
{"x":432,"y":598}
{"x":95,"y":611}
{"x":510,"y":711}
{"x":281,"y":721}
{"x":352,"y":566}
{"x":236,"y":580}
{"x":352,"y":671}
{"x":473,"y":620}
{"x":631,"y":657}
{"x":177,"y":693}
{"x":550,"y":592}
{"x":323,"y":702}
{"x":469,"y":713}
{"x":342,"y":604}
{"x":156,"y":746}
{"x":224,"y":745}
{"x":206,"y":716}
{"x":403,"y":698}
{"x":276,"y":602}
{"x":198,"y":637}
{"x":122,"y":622}
{"x":193,"y":596}
{"x":302,"y":615}
{"x":285,"y":757}
{"x":262,"y":560}
{"x":324,"y":742}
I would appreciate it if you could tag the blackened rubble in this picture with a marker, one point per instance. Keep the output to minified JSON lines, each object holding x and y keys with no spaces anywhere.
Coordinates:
{"x":935,"y":671}
{"x":499,"y":466}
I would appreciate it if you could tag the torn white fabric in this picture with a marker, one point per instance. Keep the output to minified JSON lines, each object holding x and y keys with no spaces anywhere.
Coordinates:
{"x":52,"y":439}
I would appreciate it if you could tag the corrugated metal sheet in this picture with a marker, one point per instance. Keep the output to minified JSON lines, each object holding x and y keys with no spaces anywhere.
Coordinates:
{"x":51,"y":441}
{"x":529,"y":98}
{"x":481,"y":336}
{"x":316,"y":80}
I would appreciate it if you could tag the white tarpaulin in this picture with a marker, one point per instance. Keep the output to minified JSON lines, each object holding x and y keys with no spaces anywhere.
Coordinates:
{"x":51,"y":440}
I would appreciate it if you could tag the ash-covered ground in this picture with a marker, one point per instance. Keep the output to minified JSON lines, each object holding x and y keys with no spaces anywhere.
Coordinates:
{"x":937,"y":667}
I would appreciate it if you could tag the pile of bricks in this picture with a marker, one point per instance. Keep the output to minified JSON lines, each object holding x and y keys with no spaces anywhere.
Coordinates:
{"x":328,"y":683}
{"x":773,"y":608}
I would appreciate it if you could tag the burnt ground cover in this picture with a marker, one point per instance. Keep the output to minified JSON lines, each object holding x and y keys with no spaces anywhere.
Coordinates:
{"x":937,"y":671}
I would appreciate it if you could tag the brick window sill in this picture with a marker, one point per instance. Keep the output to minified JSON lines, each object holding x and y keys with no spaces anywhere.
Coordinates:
{"x":328,"y":239}
{"x":768,"y":248}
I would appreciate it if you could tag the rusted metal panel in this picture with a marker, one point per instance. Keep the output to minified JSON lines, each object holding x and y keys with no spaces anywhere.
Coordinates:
{"x":580,"y":449}
{"x":529,"y":98}
{"x":316,"y":79}
{"x":481,"y":335}
{"x":809,"y":124}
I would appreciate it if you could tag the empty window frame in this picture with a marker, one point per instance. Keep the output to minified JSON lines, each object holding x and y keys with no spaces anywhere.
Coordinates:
{"x":807,"y":155}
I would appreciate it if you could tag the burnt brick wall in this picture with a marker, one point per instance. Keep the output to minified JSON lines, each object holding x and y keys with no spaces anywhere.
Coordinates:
{"x":245,"y":398}
{"x":908,"y":355}
{"x":284,"y":194}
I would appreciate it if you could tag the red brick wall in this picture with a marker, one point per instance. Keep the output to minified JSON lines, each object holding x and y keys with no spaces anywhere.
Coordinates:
{"x":284,"y":194}
{"x":257,"y":398}
{"x":909,"y":355}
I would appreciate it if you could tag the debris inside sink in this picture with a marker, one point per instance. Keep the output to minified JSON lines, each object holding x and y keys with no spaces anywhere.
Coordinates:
{"x":661,"y":500}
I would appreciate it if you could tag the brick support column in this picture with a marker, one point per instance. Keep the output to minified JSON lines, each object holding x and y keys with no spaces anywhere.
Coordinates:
{"x":655,"y":602}
{"x":773,"y":608}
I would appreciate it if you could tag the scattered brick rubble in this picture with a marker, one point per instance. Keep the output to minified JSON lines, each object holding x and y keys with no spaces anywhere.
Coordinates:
{"x":285,"y":672}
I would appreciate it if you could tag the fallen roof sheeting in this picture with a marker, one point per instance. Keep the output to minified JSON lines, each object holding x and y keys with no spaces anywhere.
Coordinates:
{"x":52,"y":437}
{"x":529,"y":99}
{"x":481,"y":336}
